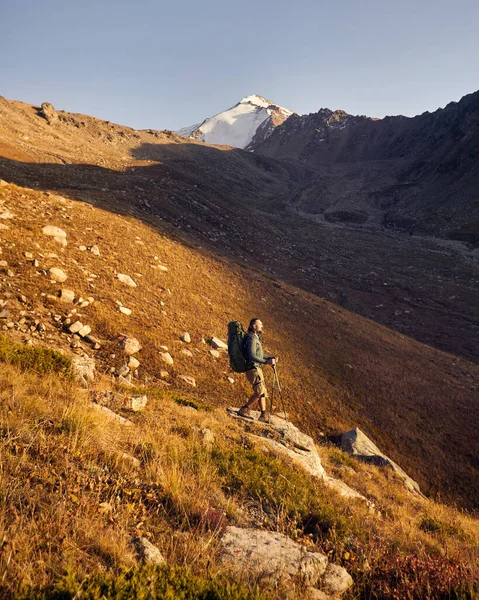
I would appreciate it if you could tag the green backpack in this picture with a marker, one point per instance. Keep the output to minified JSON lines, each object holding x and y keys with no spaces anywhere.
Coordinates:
{"x":236,"y":339}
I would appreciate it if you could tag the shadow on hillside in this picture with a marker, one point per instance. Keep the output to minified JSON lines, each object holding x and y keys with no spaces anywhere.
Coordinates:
{"x":235,"y":203}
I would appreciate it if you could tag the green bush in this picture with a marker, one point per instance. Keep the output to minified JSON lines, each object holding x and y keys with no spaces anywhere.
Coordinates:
{"x":37,"y":359}
{"x":147,"y":582}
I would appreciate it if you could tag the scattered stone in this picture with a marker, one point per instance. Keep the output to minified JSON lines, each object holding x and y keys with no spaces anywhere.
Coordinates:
{"x":126,"y":279}
{"x":123,"y":370}
{"x":6,"y":214}
{"x":57,"y":274}
{"x":231,"y":380}
{"x":166,"y":357}
{"x":3,"y":264}
{"x":187,"y":352}
{"x":133,"y":363}
{"x":125,"y":311}
{"x":128,"y":459}
{"x":130,"y":345}
{"x":84,"y":331}
{"x":53,"y":231}
{"x":188,"y":379}
{"x":95,"y":250}
{"x":84,"y":368}
{"x":356,"y":443}
{"x":164,"y":374}
{"x":336,"y":580}
{"x":215,"y":353}
{"x":41,"y":327}
{"x":113,"y":416}
{"x":28,"y":255}
{"x":82,"y":248}
{"x":4,"y":314}
{"x":124,"y":381}
{"x":95,"y":342}
{"x":61,"y":240}
{"x":75,"y":327}
{"x":162,"y":268}
{"x":185,"y":337}
{"x":218,"y":344}
{"x":137,"y":403}
{"x":164,"y":348}
{"x":147,"y":551}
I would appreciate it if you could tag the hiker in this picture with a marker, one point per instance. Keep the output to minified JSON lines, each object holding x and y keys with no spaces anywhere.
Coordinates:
{"x":255,"y":359}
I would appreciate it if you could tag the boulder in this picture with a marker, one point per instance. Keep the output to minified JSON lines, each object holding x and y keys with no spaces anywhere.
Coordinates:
{"x":137,"y":403}
{"x":48,"y":113}
{"x":83,"y":368}
{"x":215,"y":353}
{"x":147,"y":551}
{"x":53,"y":231}
{"x":95,"y":250}
{"x":166,"y":358}
{"x":185,"y":337}
{"x":133,"y":363}
{"x":357,"y":443}
{"x":84,"y":331}
{"x":75,"y":327}
{"x":188,"y":379}
{"x":66,"y":296}
{"x":130,"y":345}
{"x":218,"y":344}
{"x":112,"y":415}
{"x":187,"y":352}
{"x":57,"y":274}
{"x":336,"y":580}
{"x":126,"y":279}
{"x":255,"y":551}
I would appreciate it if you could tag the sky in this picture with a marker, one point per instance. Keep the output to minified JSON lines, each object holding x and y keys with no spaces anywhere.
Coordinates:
{"x":167,"y":65}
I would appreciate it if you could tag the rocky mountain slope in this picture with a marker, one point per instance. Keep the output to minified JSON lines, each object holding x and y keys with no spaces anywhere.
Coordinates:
{"x":416,"y":175}
{"x":137,"y":461}
{"x":420,"y":287}
{"x":245,"y":124}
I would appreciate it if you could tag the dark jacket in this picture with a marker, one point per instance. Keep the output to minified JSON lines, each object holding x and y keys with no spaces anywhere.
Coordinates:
{"x":253,"y":351}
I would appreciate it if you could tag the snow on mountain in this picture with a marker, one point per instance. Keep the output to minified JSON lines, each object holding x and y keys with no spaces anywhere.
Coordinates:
{"x":239,"y":125}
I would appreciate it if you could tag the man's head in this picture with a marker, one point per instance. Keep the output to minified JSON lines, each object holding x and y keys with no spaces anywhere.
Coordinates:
{"x":256,"y":325}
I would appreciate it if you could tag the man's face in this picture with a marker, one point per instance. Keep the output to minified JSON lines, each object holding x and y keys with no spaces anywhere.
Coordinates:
{"x":258,"y":326}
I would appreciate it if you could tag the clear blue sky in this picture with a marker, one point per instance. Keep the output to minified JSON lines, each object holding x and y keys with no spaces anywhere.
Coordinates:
{"x":158,"y":64}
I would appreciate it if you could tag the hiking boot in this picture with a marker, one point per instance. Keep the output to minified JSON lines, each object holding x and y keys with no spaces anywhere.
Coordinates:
{"x":244,"y":411}
{"x":264,"y":417}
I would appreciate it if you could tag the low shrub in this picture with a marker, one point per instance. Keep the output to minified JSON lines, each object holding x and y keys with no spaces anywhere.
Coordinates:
{"x":34,"y":358}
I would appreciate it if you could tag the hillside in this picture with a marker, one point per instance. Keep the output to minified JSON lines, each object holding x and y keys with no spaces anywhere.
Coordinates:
{"x":88,"y":484}
{"x":227,"y":199}
{"x":416,"y":175}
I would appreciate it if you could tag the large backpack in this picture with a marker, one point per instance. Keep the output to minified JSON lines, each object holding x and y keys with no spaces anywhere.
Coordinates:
{"x":236,"y":339}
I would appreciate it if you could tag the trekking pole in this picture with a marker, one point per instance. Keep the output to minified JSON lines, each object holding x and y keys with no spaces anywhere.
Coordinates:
{"x":280,"y":392}
{"x":272,"y":398}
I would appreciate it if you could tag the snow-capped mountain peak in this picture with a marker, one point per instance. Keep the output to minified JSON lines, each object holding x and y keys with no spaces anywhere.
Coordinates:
{"x":251,"y":117}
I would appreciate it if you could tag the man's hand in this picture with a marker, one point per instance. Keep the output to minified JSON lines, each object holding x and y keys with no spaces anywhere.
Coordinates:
{"x":272,"y":361}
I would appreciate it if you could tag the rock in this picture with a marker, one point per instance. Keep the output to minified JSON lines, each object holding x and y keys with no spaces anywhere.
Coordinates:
{"x":82,"y":248}
{"x":164,"y":348}
{"x":6,"y":214}
{"x":4,"y":314}
{"x":255,"y":551}
{"x":231,"y":380}
{"x":218,"y":344}
{"x":53,"y":231}
{"x":130,"y":345}
{"x":162,"y":268}
{"x":336,"y":580}
{"x":124,"y":381}
{"x":41,"y":327}
{"x":356,"y":443}
{"x":112,"y":415}
{"x":57,"y":274}
{"x":84,"y":331}
{"x":124,"y":310}
{"x":188,"y":379}
{"x":95,"y":342}
{"x":61,"y":240}
{"x":123,"y":370}
{"x":28,"y":255}
{"x":215,"y":353}
{"x":75,"y":327}
{"x":66,"y":296}
{"x":95,"y":250}
{"x":48,"y":113}
{"x":147,"y":551}
{"x":137,"y":403}
{"x":208,"y":436}
{"x":166,"y":358}
{"x":187,"y":352}
{"x":133,"y":363}
{"x":3,"y":264}
{"x":128,"y":459}
{"x":126,"y":279}
{"x":83,"y":368}
{"x":164,"y":374}
{"x":185,"y":337}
